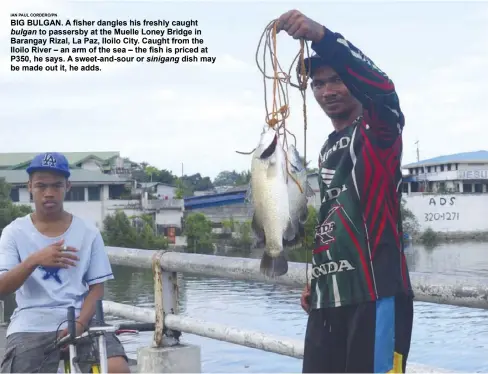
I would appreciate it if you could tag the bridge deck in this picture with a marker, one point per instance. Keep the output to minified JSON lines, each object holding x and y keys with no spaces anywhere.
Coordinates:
{"x":413,"y":368}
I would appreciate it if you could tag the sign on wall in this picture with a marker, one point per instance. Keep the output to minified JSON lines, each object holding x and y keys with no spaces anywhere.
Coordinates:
{"x":450,"y":212}
{"x":472,"y":174}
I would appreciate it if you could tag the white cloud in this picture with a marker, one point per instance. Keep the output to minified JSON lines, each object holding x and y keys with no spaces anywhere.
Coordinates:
{"x":448,"y":112}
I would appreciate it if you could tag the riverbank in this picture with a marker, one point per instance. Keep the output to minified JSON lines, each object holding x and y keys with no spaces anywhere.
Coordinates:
{"x":430,"y":237}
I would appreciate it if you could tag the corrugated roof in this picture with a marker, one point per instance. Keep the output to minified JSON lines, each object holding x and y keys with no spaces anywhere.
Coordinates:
{"x":11,"y":159}
{"x":77,"y":176}
{"x":465,"y":157}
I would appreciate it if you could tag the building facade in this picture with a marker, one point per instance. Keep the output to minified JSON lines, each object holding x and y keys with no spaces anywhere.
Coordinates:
{"x":449,"y":193}
{"x":101,"y":185}
{"x":105,"y":162}
{"x":159,"y":190}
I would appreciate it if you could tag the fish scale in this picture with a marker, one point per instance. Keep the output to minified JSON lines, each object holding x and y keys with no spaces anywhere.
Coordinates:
{"x":278,"y":207}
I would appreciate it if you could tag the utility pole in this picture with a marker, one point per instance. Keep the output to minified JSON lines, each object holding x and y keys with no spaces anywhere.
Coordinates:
{"x":418,"y":152}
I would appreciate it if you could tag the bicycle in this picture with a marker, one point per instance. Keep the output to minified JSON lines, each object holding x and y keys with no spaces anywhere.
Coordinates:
{"x":70,"y":358}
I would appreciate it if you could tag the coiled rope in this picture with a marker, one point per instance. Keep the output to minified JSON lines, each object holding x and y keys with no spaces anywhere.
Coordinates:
{"x":280,"y":109}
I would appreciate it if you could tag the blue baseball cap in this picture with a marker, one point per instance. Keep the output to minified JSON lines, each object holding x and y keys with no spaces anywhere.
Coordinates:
{"x":50,"y":161}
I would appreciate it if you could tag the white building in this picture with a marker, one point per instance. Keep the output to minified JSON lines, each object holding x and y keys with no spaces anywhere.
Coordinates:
{"x":462,"y":172}
{"x":314,"y":183}
{"x":449,"y":193}
{"x":161,"y":191}
{"x":106,"y":162}
{"x":99,"y":188}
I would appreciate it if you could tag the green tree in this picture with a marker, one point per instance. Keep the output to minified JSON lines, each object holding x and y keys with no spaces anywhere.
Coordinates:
{"x":8,"y":210}
{"x":243,"y":178}
{"x":410,"y":223}
{"x":228,"y":225}
{"x":121,"y":231}
{"x":309,"y":228}
{"x":180,"y":189}
{"x":303,"y":250}
{"x":198,"y":231}
{"x":245,"y":239}
{"x":166,"y":176}
{"x":152,"y":172}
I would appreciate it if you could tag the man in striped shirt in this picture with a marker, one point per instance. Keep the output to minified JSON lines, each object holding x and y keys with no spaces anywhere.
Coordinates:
{"x":360,"y":301}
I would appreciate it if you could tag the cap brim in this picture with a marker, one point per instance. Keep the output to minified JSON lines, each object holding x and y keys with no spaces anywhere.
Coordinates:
{"x":64,"y":173}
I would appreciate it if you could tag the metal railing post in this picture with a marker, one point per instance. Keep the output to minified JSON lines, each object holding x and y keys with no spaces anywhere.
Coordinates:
{"x":2,"y":313}
{"x":165,"y":302}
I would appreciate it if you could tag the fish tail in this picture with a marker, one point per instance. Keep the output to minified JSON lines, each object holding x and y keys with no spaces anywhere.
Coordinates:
{"x":274,"y":266}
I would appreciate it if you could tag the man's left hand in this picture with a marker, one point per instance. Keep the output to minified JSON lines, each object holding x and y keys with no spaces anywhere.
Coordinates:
{"x":297,"y":25}
{"x":80,"y":329}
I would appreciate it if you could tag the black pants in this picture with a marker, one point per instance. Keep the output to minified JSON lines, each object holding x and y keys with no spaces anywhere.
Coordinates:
{"x":372,"y":337}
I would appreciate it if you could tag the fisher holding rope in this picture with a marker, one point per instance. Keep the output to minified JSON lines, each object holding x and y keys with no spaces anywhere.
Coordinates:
{"x":360,"y":300}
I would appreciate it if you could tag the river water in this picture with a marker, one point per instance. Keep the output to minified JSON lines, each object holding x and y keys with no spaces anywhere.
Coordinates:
{"x":444,"y":336}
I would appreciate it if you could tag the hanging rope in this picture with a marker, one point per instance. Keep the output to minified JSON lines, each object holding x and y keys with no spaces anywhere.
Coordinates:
{"x":280,"y":109}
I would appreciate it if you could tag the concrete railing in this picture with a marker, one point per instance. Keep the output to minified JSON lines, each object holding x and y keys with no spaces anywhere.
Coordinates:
{"x":166,"y":355}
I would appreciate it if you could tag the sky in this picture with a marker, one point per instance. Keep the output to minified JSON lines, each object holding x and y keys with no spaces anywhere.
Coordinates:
{"x":198,"y":115}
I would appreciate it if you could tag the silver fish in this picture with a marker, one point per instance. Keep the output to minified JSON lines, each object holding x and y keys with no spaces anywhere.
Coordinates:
{"x":275,"y":203}
{"x":298,"y":196}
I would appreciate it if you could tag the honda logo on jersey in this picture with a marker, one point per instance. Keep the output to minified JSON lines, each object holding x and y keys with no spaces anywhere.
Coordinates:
{"x":332,"y":267}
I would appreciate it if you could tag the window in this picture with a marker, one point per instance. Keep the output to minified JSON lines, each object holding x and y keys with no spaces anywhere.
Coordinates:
{"x":94,"y":193}
{"x":76,"y":194}
{"x":14,"y":194}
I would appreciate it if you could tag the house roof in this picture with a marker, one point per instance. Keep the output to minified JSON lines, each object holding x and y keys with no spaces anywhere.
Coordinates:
{"x":153,"y":184}
{"x":477,"y":157}
{"x":9,"y":160}
{"x":77,"y":176}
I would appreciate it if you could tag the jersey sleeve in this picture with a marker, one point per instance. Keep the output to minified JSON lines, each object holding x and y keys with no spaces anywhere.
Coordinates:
{"x":9,"y":255}
{"x":99,"y":269}
{"x":366,"y":82}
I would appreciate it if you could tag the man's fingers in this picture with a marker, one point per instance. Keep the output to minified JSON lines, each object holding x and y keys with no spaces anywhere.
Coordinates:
{"x":66,"y":255}
{"x":283,"y":20}
{"x":70,"y":249}
{"x":294,"y":22}
{"x":67,"y":262}
{"x":64,"y":263}
{"x":62,"y":333}
{"x":301,"y":32}
{"x":59,"y":242}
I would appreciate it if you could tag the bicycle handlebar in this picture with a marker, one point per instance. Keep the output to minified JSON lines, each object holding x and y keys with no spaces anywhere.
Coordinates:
{"x":137,"y":326}
{"x":71,"y":338}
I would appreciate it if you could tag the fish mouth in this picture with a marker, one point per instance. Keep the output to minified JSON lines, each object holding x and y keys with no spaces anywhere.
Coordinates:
{"x":270,"y":150}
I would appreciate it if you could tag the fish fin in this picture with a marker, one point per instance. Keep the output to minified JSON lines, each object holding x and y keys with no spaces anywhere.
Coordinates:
{"x":257,"y":229}
{"x":309,"y":190}
{"x":274,"y":267}
{"x":297,"y":240}
{"x":290,"y":231}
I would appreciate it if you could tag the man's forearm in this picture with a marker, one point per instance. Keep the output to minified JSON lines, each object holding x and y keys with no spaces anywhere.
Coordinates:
{"x":13,"y":279}
{"x":89,"y":305}
{"x":358,"y":72}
